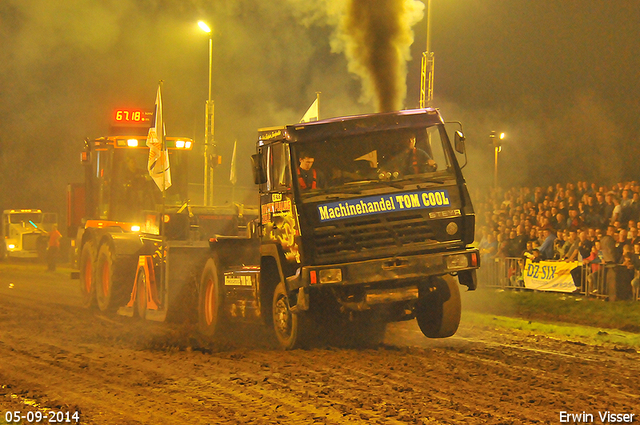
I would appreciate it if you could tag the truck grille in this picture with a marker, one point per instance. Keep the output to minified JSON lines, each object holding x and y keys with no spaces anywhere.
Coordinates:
{"x":30,"y":241}
{"x":366,"y":236}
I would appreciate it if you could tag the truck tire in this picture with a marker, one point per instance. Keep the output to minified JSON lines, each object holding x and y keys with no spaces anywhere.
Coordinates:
{"x":210,"y":300}
{"x":292,"y":330}
{"x":110,"y":280}
{"x":87,"y":275}
{"x":438,"y":311}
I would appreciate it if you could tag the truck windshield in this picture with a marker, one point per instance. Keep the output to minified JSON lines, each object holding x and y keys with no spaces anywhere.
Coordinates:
{"x":382,"y":157}
{"x":17,"y":218}
{"x":133,"y":190}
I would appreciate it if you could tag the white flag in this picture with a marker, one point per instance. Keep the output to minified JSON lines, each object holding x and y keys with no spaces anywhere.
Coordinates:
{"x":232,"y":176}
{"x":372,"y":157}
{"x":312,"y":112}
{"x":158,"y":164}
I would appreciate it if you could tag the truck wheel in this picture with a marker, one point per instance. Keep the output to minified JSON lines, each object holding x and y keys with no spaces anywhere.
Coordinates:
{"x":438,"y":311}
{"x":87,"y":276}
{"x":210,"y":300}
{"x":292,"y":330}
{"x":110,"y":290}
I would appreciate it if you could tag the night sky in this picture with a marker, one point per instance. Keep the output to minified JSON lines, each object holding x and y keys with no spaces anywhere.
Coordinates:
{"x":560,"y":78}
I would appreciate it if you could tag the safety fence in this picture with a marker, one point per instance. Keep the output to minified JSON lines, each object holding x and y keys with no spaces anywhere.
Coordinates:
{"x":606,"y":281}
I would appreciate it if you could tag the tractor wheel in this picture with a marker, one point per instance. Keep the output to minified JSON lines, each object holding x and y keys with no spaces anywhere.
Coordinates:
{"x":87,"y":275}
{"x":210,"y":300}
{"x":110,"y":288}
{"x":438,"y":311}
{"x":293,"y":330}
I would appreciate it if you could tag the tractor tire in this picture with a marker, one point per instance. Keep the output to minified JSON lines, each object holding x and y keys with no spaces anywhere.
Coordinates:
{"x":210,"y":300}
{"x":111,"y":288}
{"x":293,"y":330}
{"x":86,"y":266}
{"x":438,"y":311}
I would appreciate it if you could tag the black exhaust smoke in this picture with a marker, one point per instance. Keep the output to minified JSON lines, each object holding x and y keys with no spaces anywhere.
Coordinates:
{"x":377,"y":36}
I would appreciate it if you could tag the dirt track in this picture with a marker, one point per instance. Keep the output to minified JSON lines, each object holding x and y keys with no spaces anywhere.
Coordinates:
{"x":116,"y":370}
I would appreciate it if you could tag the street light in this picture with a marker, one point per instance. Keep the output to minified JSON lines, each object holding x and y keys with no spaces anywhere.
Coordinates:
{"x":427,"y":67}
{"x":208,"y":126}
{"x":496,"y":141}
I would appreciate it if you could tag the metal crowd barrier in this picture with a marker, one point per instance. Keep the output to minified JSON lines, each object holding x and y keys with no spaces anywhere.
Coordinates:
{"x":597,"y":282}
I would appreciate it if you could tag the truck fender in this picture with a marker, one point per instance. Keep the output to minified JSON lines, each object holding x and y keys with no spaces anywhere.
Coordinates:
{"x":125,"y":244}
{"x":274,"y":270}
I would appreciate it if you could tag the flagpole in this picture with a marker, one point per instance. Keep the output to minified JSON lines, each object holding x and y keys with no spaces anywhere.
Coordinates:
{"x":163,"y":142}
{"x":232,"y":175}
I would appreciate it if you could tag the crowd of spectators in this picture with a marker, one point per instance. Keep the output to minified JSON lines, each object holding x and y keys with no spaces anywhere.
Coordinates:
{"x":582,"y":222}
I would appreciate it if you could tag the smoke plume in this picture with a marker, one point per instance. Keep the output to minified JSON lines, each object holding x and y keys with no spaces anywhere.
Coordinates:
{"x":376,"y":38}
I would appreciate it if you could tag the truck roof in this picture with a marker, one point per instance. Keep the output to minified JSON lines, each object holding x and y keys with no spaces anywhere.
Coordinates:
{"x":350,"y":125}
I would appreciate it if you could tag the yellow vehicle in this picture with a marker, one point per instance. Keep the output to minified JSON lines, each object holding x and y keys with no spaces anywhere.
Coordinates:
{"x":23,"y":232}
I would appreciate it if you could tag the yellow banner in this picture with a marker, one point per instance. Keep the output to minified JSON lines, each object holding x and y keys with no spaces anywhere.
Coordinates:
{"x":550,"y":275}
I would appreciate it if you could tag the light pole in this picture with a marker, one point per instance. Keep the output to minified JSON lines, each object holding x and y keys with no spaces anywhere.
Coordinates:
{"x":427,"y":67}
{"x":496,"y":141}
{"x":209,"y":142}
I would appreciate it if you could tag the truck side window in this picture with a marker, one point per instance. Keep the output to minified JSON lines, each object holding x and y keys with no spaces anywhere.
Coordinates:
{"x":278,"y":172}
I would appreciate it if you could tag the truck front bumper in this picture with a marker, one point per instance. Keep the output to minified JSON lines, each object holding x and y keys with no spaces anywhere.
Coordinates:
{"x":393,"y":270}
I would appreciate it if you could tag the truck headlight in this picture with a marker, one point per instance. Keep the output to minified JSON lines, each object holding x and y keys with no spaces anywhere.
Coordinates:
{"x":11,"y":246}
{"x":458,"y":261}
{"x":330,"y":275}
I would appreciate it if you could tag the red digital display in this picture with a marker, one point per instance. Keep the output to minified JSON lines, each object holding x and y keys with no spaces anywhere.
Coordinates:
{"x":131,"y":117}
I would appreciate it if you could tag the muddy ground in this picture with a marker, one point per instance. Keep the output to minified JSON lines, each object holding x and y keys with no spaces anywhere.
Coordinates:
{"x":56,"y":356}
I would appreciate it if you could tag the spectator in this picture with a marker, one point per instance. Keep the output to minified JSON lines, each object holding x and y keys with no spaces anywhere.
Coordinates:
{"x":596,"y":262}
{"x":490,"y":249}
{"x":558,"y":245}
{"x":615,"y":212}
{"x":570,"y":245}
{"x":634,"y":213}
{"x":536,"y":257}
{"x":635,"y":258}
{"x":546,"y":249}
{"x":632,"y":235}
{"x":513,"y":248}
{"x":625,"y":206}
{"x":574,"y":221}
{"x":621,"y":242}
{"x":583,"y":251}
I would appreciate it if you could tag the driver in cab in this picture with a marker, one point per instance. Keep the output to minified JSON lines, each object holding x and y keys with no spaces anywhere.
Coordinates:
{"x":413,"y":160}
{"x":309,"y":177}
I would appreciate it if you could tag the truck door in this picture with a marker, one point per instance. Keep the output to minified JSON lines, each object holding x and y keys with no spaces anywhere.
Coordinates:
{"x":278,"y":215}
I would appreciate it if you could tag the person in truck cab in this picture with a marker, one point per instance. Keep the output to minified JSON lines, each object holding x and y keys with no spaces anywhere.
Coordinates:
{"x":413,"y":160}
{"x":309,"y":177}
